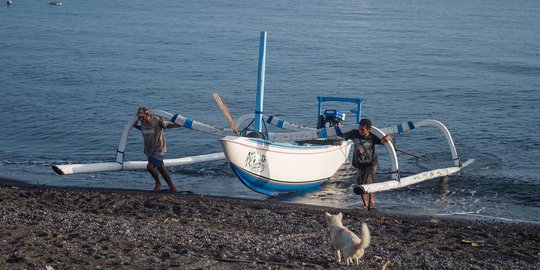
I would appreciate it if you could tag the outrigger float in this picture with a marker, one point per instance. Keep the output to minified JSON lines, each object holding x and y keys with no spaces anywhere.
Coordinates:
{"x":274,"y":163}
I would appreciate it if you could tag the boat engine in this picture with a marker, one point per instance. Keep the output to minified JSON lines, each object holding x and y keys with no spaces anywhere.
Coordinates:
{"x":330,"y":118}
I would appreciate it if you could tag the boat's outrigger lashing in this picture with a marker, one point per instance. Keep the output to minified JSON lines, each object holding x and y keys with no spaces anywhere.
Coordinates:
{"x":274,"y":163}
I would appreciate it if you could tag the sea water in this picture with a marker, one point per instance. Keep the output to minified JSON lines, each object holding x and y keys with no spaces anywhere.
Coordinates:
{"x":71,"y":76}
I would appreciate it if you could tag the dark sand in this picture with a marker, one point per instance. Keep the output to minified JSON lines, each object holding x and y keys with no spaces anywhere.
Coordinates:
{"x":66,"y":228}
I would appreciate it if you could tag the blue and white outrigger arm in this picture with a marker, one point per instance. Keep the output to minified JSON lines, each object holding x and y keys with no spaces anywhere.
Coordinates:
{"x":408,"y":126}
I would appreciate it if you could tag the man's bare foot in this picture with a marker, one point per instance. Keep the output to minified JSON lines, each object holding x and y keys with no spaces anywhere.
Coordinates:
{"x":371,"y":205}
{"x":364,"y":200}
{"x":173,"y":189}
{"x":157,"y":188}
{"x":371,"y":202}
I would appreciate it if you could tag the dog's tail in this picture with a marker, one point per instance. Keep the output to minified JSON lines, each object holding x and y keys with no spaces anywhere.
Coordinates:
{"x":364,"y":236}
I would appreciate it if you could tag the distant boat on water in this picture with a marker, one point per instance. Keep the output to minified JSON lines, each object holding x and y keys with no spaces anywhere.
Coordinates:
{"x":56,"y":3}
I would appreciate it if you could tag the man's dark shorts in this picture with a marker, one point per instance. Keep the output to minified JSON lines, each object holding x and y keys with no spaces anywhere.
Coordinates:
{"x":156,"y":160}
{"x":366,"y":175}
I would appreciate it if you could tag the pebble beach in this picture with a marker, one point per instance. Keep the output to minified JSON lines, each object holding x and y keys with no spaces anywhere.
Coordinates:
{"x":72,"y":228}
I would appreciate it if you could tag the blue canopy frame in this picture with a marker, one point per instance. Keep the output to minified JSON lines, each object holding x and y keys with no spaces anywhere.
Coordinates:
{"x":357,"y":101}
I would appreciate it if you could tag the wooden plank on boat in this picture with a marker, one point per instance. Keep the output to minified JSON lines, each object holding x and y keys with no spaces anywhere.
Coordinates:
{"x":225,"y":109}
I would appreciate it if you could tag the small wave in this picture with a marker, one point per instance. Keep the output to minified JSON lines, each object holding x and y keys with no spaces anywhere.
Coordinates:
{"x":216,"y":169}
{"x":478,"y":211}
{"x":509,"y":68}
{"x":489,"y":217}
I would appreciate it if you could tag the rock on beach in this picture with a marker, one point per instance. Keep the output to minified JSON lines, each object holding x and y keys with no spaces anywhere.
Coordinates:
{"x":67,"y":228}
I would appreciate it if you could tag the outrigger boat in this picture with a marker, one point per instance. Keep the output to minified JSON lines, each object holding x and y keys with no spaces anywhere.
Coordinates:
{"x":275,"y":163}
{"x":268,"y":166}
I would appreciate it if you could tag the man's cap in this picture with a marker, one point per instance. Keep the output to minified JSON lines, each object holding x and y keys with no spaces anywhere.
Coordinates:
{"x":142,"y":111}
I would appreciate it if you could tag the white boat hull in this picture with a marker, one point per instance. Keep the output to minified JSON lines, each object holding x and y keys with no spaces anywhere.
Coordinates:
{"x":274,"y":168}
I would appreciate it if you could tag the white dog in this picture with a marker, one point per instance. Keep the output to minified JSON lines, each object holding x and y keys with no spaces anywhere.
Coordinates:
{"x":343,"y":239}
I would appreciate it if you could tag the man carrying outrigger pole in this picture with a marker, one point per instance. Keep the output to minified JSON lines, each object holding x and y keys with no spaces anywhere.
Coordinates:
{"x":155,"y":146}
{"x":364,"y":157}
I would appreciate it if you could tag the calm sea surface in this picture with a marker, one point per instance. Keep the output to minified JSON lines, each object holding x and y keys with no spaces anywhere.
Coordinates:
{"x":71,"y":76}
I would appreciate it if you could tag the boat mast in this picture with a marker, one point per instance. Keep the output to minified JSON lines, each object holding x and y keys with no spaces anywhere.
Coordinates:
{"x":260,"y":83}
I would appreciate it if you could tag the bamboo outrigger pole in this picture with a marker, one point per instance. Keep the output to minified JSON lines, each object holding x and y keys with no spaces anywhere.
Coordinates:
{"x":131,"y":165}
{"x":413,"y":179}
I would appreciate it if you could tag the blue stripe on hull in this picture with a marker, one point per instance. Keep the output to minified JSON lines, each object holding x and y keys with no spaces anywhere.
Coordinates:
{"x":272,"y":187}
